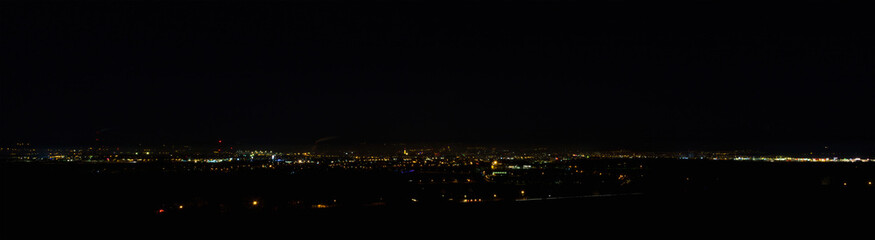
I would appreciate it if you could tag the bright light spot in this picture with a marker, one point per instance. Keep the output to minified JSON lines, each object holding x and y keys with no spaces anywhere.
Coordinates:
{"x":413,"y":199}
{"x":180,"y":206}
{"x":160,"y":210}
{"x":254,"y":203}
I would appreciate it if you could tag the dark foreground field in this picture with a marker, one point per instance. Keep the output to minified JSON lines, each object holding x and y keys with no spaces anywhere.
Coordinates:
{"x":673,"y":194}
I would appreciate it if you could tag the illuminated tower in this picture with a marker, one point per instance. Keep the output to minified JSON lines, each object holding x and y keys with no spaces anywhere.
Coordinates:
{"x":223,"y":149}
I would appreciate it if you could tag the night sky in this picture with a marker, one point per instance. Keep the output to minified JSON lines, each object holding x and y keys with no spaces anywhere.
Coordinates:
{"x":599,"y":73}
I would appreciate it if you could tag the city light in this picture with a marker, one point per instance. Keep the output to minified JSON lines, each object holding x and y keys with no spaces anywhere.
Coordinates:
{"x":613,"y":172}
{"x":396,"y":117}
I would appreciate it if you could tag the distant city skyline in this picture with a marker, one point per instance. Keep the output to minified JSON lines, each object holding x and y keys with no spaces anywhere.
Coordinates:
{"x":405,"y":118}
{"x":225,"y":152}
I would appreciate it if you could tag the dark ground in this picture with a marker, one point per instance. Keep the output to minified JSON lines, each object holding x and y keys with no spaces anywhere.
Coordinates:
{"x":718,"y":195}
